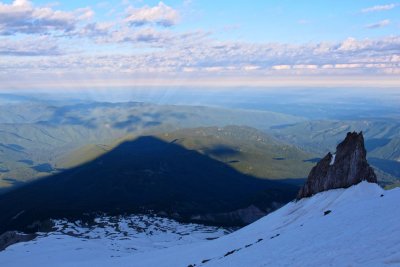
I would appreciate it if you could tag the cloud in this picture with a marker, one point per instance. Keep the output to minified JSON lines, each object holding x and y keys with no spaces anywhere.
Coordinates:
{"x":40,"y":46}
{"x":143,"y":35}
{"x":22,"y":17}
{"x":148,"y":37}
{"x":200,"y":56}
{"x":379,"y":24}
{"x":281,"y":67}
{"x":151,"y":48}
{"x":96,"y":29}
{"x":379,"y":8}
{"x":161,"y":15}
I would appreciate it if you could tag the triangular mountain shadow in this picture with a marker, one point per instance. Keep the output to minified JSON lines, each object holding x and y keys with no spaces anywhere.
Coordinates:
{"x":146,"y":174}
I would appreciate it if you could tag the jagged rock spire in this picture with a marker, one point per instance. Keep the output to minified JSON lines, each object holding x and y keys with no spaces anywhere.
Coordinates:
{"x":347,"y":167}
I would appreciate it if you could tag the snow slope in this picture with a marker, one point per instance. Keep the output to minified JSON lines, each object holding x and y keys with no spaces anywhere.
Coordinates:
{"x":76,"y":243}
{"x":358,"y":226}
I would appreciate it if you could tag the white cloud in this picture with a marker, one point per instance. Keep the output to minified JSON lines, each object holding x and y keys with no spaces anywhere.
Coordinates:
{"x":194,"y":56}
{"x":143,"y":35}
{"x":388,"y":45}
{"x":352,"y":44}
{"x":305,"y":66}
{"x":149,"y":37}
{"x":281,"y":67}
{"x":169,"y":53}
{"x":379,"y":8}
{"x":38,"y":46}
{"x":379,"y":24}
{"x":348,"y":66}
{"x":161,"y":15}
{"x":327,"y":66}
{"x":22,"y":17}
{"x":151,"y":49}
{"x":251,"y":67}
{"x":96,"y":29}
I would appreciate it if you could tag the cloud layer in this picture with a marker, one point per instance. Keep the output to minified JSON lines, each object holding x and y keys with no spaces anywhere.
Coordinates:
{"x":351,"y":56}
{"x":38,"y":46}
{"x":142,"y":43}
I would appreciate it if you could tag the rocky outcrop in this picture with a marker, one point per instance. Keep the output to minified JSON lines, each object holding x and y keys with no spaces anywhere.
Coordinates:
{"x":243,"y":216}
{"x":11,"y":237}
{"x":347,"y":167}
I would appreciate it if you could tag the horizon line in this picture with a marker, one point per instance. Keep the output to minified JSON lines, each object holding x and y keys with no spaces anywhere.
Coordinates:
{"x":220,"y":82}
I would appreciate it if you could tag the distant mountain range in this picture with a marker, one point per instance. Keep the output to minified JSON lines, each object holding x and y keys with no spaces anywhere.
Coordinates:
{"x":39,"y":139}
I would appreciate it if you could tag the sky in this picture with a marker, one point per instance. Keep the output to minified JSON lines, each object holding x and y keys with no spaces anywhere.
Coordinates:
{"x":76,"y":44}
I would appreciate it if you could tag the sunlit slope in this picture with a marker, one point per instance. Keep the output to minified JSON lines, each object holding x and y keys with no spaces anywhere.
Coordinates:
{"x":389,"y":150}
{"x":322,"y":136}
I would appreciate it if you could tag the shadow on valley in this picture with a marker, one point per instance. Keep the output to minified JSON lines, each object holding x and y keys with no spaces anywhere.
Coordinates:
{"x":389,"y":166}
{"x":141,"y":176}
{"x":221,"y":150}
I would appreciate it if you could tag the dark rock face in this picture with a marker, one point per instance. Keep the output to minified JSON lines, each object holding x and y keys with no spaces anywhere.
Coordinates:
{"x":347,"y":167}
{"x":11,"y":237}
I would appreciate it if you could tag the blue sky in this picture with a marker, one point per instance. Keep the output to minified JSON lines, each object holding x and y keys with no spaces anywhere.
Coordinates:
{"x":92,"y":43}
{"x":263,"y":21}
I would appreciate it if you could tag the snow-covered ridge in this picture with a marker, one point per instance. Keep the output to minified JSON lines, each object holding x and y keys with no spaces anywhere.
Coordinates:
{"x":357,"y":226}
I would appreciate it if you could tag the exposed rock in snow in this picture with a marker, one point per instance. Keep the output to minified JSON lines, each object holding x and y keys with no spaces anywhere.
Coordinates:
{"x":104,"y":237}
{"x":11,"y":237}
{"x":246,"y":215}
{"x":347,"y":167}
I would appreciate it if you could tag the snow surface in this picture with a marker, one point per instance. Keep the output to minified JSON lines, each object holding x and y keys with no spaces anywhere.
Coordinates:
{"x":332,"y":159}
{"x":78,"y":244}
{"x":358,"y":226}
